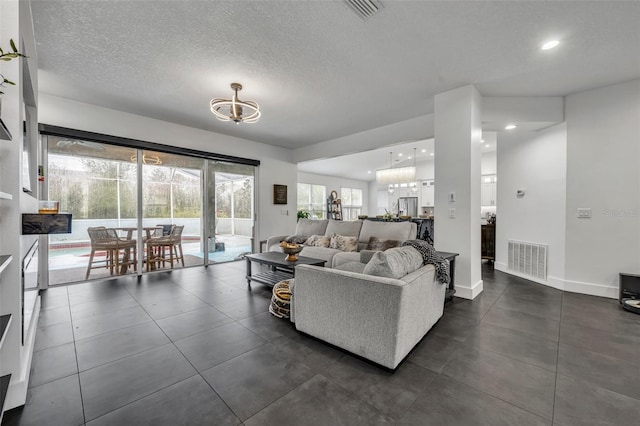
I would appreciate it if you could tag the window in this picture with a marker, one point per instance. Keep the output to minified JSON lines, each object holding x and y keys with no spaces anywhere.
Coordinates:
{"x":312,"y":198}
{"x":351,"y":203}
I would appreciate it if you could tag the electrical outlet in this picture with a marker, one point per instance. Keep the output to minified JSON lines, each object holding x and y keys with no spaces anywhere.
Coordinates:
{"x":452,"y":213}
{"x":584,"y":213}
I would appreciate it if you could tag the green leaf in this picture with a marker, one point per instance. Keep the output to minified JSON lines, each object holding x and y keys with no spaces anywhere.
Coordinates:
{"x":13,"y":45}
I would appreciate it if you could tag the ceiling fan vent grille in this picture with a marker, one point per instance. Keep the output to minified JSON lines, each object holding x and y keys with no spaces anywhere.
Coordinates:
{"x":364,"y":8}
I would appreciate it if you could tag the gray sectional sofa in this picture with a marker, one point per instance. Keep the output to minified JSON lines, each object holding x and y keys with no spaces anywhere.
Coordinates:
{"x":375,"y":304}
{"x":379,"y":318}
{"x":363,"y":230}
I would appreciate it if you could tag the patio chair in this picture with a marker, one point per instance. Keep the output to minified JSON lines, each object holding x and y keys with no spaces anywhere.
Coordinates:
{"x":105,"y":239}
{"x":157,"y":248}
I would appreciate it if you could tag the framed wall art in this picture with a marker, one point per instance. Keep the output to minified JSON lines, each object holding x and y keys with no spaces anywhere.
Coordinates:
{"x":279,"y":194}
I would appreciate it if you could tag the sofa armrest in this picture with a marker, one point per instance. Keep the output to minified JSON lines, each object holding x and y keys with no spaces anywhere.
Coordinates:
{"x":378,"y":318}
{"x":366,"y":255}
{"x":275,"y":240}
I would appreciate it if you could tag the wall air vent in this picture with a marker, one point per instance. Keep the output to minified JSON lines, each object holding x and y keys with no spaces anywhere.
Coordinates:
{"x":364,"y":8}
{"x":528,"y":259}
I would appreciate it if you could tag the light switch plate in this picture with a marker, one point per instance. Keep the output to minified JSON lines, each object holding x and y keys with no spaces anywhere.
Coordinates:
{"x":584,"y":213}
{"x":452,"y":197}
{"x":452,"y":212}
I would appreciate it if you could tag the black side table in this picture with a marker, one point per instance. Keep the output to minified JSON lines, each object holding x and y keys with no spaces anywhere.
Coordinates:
{"x":451,"y":289}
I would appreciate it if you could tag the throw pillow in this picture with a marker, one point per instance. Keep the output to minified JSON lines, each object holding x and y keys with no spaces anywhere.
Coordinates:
{"x":394,"y":263}
{"x":318,"y":241}
{"x":381,"y":245}
{"x":296,"y":239}
{"x":340,"y":242}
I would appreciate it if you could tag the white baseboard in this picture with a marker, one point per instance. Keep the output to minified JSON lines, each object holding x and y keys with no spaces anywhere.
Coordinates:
{"x":17,"y":392}
{"x":469,"y":292}
{"x":591,"y":289}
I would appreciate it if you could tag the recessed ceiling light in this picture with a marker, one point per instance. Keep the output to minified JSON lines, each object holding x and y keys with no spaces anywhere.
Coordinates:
{"x":510,"y":127}
{"x":487,"y":146}
{"x":409,"y":158}
{"x":550,"y":45}
{"x":432,"y":154}
{"x":400,"y":155}
{"x":369,"y":171}
{"x":424,"y":150}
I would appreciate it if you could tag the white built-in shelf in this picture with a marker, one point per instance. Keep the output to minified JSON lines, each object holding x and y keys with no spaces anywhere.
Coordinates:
{"x":5,"y":196}
{"x":5,"y":259}
{"x":5,"y":321}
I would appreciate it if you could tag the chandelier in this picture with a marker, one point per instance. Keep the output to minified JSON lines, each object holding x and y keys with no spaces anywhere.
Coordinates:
{"x":397,"y":175}
{"x":232,"y":109}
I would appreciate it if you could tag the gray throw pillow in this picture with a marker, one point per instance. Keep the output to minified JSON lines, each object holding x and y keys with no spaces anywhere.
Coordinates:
{"x":296,"y":239}
{"x":394,"y":263}
{"x":381,"y":245}
{"x":341,"y":242}
{"x":318,"y":241}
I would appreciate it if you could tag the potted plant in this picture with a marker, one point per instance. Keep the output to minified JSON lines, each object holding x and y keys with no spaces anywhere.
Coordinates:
{"x":303,"y":214}
{"x":7,"y":56}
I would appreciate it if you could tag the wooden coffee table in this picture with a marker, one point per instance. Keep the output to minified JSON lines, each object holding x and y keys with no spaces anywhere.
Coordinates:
{"x":279,"y":268}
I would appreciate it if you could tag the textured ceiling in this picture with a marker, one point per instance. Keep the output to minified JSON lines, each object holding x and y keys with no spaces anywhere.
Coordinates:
{"x":317,"y":70}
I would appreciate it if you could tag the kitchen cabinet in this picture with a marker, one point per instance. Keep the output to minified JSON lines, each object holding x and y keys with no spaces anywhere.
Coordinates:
{"x":427,"y":193}
{"x":488,"y":190}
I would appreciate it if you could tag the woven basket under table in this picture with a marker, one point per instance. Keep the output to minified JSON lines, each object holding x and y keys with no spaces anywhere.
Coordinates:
{"x":280,"y":299}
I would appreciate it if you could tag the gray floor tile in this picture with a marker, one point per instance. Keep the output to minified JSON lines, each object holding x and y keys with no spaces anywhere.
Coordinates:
{"x":265,"y":371}
{"x":97,"y":291}
{"x":184,"y":325}
{"x":447,"y":402}
{"x":190,"y":402}
{"x":580,"y":403}
{"x":540,"y":308}
{"x":355,"y":374}
{"x":116,"y":384}
{"x":269,"y":327}
{"x":54,"y":403}
{"x":52,"y":364}
{"x":158,"y":292}
{"x":601,"y":314}
{"x":604,"y":371}
{"x":56,"y":301}
{"x":533,"y":291}
{"x":53,"y":335}
{"x":165,"y":308}
{"x":475,"y":309}
{"x":433,"y":352}
{"x":615,"y":345}
{"x":322,"y":402}
{"x":114,"y":345}
{"x":454,"y":327}
{"x":524,"y":385}
{"x":523,"y":322}
{"x":393,"y":394}
{"x":223,"y":294}
{"x":315,"y":354}
{"x":213,"y":347}
{"x":529,"y":349}
{"x":84,"y":328}
{"x":100,"y":307}
{"x":246,"y":307}
{"x":54,"y":316}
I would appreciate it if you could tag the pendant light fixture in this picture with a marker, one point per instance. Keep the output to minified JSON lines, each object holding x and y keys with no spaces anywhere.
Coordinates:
{"x":232,"y":109}
{"x":397,"y":175}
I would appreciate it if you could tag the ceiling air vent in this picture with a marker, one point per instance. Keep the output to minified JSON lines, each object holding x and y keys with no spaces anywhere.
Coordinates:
{"x":364,"y":8}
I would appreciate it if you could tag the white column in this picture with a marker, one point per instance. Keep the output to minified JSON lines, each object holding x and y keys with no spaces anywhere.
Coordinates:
{"x":458,"y":130}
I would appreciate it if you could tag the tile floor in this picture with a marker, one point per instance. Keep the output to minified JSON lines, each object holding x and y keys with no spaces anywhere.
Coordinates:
{"x":193,"y":346}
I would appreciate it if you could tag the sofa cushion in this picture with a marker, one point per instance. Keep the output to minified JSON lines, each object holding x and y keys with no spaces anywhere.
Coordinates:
{"x":351,"y":267}
{"x":386,"y":231}
{"x":346,"y":228}
{"x":308,"y":227}
{"x":343,"y":243}
{"x":394,"y":263}
{"x":379,"y":244}
{"x":296,"y":239}
{"x":318,"y":241}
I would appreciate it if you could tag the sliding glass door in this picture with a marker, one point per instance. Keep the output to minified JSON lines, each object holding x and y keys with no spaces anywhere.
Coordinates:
{"x":161,"y":210}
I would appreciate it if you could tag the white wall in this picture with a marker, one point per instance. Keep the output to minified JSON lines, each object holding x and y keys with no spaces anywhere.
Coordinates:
{"x":603,"y":173}
{"x":335,"y":183}
{"x":489,"y":163}
{"x":535,"y":162}
{"x":275,"y":168}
